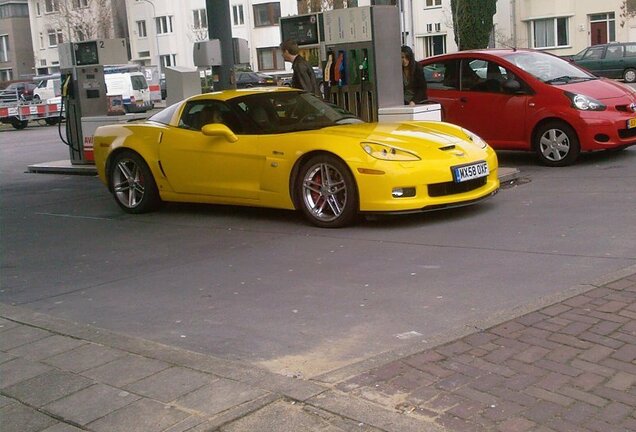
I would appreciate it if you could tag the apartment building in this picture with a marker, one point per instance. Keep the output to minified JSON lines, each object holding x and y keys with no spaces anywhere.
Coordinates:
{"x":53,"y":22}
{"x":16,"y":52}
{"x":562,"y":27}
{"x":566,"y":27}
{"x":162,"y":32}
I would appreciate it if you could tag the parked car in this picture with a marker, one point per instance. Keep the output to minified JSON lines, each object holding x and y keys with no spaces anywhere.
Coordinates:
{"x":17,"y":92}
{"x":48,"y":86}
{"x":613,"y":60}
{"x":246,"y":79}
{"x":132,"y":87}
{"x":533,"y":101}
{"x":285,"y":79}
{"x":287,"y":149}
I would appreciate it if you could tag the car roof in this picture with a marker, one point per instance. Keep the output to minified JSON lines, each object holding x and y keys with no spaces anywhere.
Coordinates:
{"x":494,"y":52}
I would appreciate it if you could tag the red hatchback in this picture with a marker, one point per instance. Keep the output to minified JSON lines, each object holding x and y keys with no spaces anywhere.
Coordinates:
{"x":534,"y":101}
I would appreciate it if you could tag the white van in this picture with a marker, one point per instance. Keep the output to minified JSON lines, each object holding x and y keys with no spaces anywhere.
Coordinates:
{"x":48,"y":87}
{"x":132,"y":87}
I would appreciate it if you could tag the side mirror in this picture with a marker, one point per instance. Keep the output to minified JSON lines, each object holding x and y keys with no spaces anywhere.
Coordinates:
{"x":219,"y":130}
{"x":511,"y":86}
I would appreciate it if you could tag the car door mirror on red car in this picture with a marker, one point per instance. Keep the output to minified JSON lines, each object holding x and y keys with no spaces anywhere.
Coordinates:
{"x":512,"y":86}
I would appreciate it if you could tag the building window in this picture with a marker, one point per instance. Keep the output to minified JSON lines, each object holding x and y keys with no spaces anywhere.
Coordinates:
{"x":237,"y":15}
{"x":433,"y":3}
{"x":4,"y":48}
{"x":550,"y":33}
{"x":434,"y":45}
{"x":164,"y":24}
{"x":200,"y":18}
{"x":266,"y":14}
{"x":55,"y":37}
{"x":168,"y":60}
{"x":79,"y":35}
{"x":42,"y":41}
{"x":78,"y":4}
{"x":6,"y":74}
{"x":143,"y":54}
{"x":38,"y":12}
{"x":270,"y":59}
{"x":141,"y":29}
{"x":51,"y":6}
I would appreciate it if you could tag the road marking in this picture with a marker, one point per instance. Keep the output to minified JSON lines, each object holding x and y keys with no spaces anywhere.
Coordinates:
{"x":73,"y":216}
{"x":408,"y":335}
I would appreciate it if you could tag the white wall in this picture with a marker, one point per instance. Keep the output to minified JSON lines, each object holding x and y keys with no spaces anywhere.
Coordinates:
{"x":179,"y":42}
{"x":578,"y":11}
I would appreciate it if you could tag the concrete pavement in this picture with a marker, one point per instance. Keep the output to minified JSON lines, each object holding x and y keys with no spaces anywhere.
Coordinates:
{"x":566,"y":363}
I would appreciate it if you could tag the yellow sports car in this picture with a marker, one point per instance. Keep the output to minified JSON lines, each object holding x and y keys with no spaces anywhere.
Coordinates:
{"x":283,"y":148}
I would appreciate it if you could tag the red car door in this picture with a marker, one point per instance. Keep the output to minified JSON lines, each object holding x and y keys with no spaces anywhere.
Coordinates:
{"x":475,"y":96}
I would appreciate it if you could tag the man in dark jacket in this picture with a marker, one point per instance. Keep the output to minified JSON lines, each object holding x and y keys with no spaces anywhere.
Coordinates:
{"x":303,"y":77}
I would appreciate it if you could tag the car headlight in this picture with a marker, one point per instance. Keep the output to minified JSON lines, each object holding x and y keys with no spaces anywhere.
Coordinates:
{"x":585,"y":103}
{"x":388,"y":153}
{"x":475,"y":139}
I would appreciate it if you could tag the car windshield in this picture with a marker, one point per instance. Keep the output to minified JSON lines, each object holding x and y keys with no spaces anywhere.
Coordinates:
{"x":548,"y":68}
{"x":138,"y":82}
{"x":280,"y":112}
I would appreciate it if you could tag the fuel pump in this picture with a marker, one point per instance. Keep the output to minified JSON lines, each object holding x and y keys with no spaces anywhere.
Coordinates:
{"x":84,"y":95}
{"x":365,"y":74}
{"x":84,"y":90}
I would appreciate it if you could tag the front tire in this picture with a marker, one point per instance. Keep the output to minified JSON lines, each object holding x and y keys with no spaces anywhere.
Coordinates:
{"x":132,"y":183}
{"x":556,"y":144}
{"x":629,"y":75}
{"x":327,"y":192}
{"x":19,"y":124}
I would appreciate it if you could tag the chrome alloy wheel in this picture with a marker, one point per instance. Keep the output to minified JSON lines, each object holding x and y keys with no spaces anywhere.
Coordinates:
{"x":324,"y":192}
{"x":128,"y":183}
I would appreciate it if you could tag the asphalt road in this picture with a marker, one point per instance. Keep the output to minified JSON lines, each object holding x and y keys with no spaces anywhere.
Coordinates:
{"x":264,"y":287}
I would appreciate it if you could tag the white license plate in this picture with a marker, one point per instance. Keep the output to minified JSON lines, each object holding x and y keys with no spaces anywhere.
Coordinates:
{"x":469,"y":172}
{"x":631,"y":123}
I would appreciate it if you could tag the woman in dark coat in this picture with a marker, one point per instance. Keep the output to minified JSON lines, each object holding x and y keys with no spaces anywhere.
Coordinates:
{"x":412,"y":78}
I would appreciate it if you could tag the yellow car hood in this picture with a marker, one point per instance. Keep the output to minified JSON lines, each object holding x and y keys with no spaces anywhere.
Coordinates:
{"x":415,"y":136}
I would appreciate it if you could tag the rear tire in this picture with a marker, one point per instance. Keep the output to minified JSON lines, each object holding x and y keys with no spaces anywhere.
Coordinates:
{"x":629,"y":75}
{"x":132,"y":183}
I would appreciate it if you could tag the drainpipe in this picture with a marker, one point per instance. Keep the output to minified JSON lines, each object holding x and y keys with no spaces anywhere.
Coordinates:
{"x":513,"y":18}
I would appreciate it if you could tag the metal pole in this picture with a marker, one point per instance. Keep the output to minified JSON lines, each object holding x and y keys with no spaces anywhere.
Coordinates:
{"x":154,"y":13}
{"x":220,"y":27}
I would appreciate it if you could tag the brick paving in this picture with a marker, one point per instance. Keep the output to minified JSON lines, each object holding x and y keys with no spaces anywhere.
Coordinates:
{"x":570,"y":366}
{"x":567,"y":367}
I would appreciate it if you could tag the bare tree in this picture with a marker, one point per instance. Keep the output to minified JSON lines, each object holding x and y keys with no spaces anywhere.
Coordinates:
{"x":628,"y":11}
{"x":83,"y":19}
{"x":198,"y":34}
{"x":309,"y":6}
